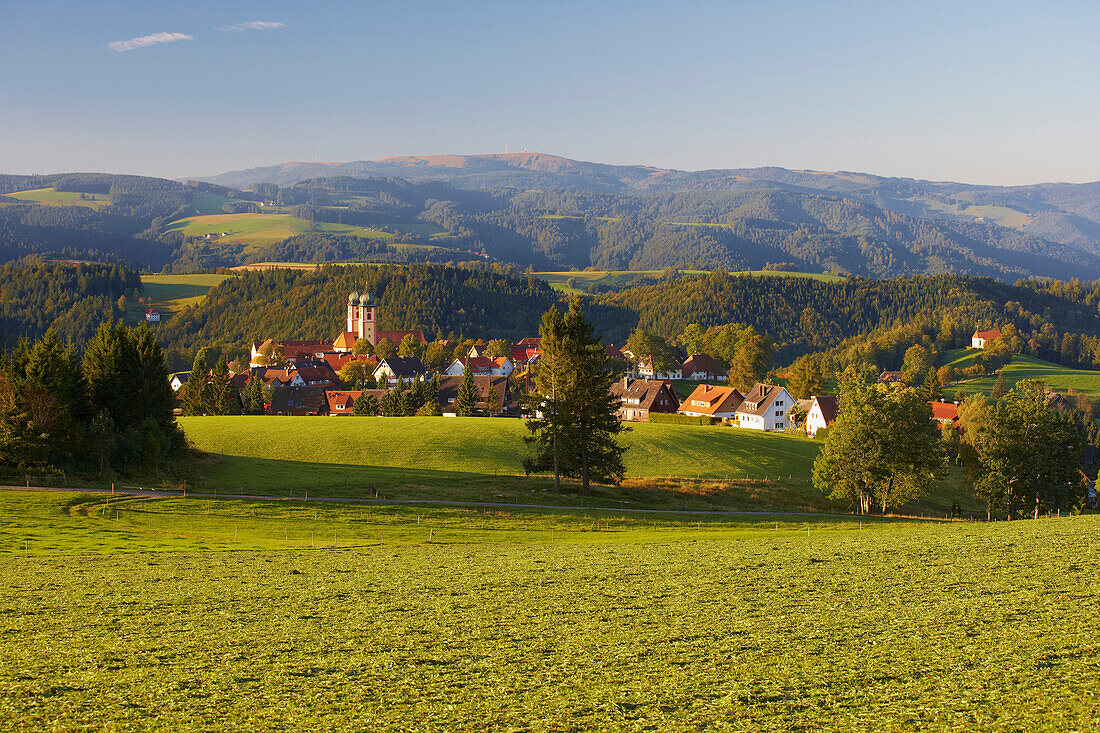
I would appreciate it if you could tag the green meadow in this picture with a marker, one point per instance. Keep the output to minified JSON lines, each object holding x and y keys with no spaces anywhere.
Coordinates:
{"x":181,"y":614}
{"x":261,"y":229}
{"x":480,"y":459}
{"x":1063,"y":379}
{"x":50,"y":197}
{"x":171,"y":293}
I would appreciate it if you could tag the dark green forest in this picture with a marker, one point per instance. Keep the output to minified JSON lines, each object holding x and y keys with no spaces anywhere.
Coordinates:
{"x":73,"y":300}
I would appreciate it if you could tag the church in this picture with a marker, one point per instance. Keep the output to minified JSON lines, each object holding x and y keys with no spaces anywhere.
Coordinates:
{"x":362,"y":322}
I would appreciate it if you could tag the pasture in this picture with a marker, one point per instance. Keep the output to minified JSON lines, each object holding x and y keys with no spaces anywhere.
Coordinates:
{"x":50,"y":197}
{"x":1060,"y":378}
{"x":185,"y":614}
{"x":173,"y":293}
{"x":480,"y":459}
{"x":261,"y":229}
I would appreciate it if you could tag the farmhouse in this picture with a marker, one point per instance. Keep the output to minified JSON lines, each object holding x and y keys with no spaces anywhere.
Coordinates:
{"x":399,"y":370}
{"x":945,"y":413}
{"x":822,"y":413}
{"x":889,"y":377}
{"x":492,"y":394}
{"x":645,"y":370}
{"x":712,"y":401}
{"x":981,"y":338}
{"x":177,"y":380}
{"x":640,"y":397}
{"x":765,"y":408}
{"x":298,"y":401}
{"x":703,"y":368}
{"x":152,"y":316}
{"x":342,"y":402}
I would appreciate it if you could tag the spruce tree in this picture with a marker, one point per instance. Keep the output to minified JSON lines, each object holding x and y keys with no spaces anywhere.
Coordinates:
{"x":254,"y":395}
{"x":930,"y":390}
{"x":466,"y":401}
{"x":193,"y":402}
{"x":576,"y":433}
{"x":220,"y":390}
{"x":1000,"y":388}
{"x":365,"y":405}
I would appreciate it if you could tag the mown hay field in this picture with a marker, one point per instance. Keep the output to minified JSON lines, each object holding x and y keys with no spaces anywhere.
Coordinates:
{"x":260,"y":229}
{"x":680,"y":626}
{"x":50,"y":197}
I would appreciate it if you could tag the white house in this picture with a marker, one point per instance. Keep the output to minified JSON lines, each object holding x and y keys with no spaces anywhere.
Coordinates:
{"x":822,"y":414}
{"x":398,"y":370}
{"x":482,"y":366}
{"x":178,"y":379}
{"x":765,"y":408}
{"x":646,"y":371}
{"x":152,"y":316}
{"x":703,"y":368}
{"x":981,"y":338}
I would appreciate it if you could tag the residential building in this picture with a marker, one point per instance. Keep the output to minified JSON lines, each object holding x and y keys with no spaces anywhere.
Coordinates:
{"x":709,"y":400}
{"x":342,"y":402}
{"x":298,"y":401}
{"x":398,"y":370}
{"x":765,"y":408}
{"x":501,"y":366}
{"x":638,"y":398}
{"x":821,"y":413}
{"x":981,"y":338}
{"x":889,"y":377}
{"x":493,"y":395}
{"x":945,"y":413}
{"x":645,"y":370}
{"x":703,"y":368}
{"x":152,"y":316}
{"x":177,"y":380}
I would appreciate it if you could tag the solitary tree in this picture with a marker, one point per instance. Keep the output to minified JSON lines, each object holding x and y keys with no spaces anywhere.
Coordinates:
{"x":930,"y":390}
{"x":577,"y":434}
{"x":884,"y":447}
{"x":1000,"y":387}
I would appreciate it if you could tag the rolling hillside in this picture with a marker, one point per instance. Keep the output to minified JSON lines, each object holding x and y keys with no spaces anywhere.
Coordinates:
{"x":1060,"y":378}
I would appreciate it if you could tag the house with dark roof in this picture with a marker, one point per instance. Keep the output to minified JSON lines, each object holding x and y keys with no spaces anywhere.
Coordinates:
{"x":765,"y":408}
{"x":493,"y":396}
{"x":298,"y":401}
{"x":638,"y":398}
{"x":821,"y":413}
{"x":703,"y":368}
{"x":398,"y":370}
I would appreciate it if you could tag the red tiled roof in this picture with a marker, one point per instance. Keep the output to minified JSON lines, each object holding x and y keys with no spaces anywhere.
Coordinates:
{"x":714,"y":399}
{"x":987,"y":335}
{"x":944,"y":411}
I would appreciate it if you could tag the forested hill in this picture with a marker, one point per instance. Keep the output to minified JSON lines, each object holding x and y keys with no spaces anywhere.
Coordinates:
{"x":1060,"y":212}
{"x":73,"y":300}
{"x":848,"y":226}
{"x":803,"y":315}
{"x":293,"y":304}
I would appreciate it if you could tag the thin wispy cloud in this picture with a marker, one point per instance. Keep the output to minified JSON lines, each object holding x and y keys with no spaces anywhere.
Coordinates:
{"x":251,"y":25}
{"x":152,"y":39}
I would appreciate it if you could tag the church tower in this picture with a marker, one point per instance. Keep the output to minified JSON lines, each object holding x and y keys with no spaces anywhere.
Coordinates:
{"x":362,"y":316}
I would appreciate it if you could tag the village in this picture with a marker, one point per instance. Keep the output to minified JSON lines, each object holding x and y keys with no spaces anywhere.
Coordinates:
{"x":377,"y":369}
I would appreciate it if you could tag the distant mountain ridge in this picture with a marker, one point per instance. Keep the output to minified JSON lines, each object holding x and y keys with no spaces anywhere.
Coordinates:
{"x":1065,"y":213}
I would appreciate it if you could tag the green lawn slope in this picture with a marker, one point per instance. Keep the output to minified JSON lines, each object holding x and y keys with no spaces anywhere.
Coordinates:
{"x":1055,"y":376}
{"x":480,"y":459}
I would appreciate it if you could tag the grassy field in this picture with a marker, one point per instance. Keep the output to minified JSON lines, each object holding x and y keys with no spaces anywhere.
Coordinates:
{"x":586,"y":280}
{"x":49,"y":197}
{"x":260,"y":229}
{"x":171,"y":293}
{"x":668,"y":466}
{"x":1058,"y":377}
{"x":184,"y":614}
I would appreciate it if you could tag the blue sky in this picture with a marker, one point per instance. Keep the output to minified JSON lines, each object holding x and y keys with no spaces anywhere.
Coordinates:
{"x":987,"y":92}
